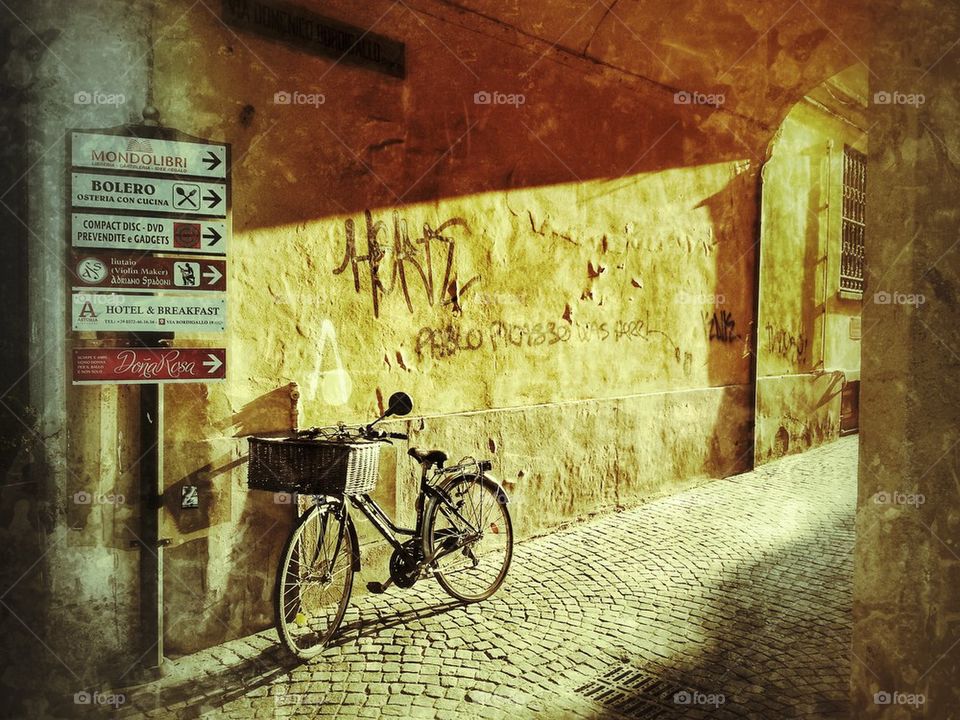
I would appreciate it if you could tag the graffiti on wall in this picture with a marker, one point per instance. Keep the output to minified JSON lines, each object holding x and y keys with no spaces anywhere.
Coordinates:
{"x":451,"y":339}
{"x":721,"y":326}
{"x":786,"y":343}
{"x":419,"y":268}
{"x":330,"y":379}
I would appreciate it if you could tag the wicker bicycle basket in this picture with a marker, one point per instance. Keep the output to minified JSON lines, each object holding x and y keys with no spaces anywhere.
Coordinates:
{"x":313,"y":467}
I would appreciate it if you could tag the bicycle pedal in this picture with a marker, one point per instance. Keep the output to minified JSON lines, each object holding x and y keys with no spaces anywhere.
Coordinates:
{"x":377,"y":588}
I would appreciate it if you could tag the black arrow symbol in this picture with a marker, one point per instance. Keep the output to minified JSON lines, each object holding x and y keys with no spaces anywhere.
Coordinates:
{"x":212,"y":198}
{"x":212,"y":235}
{"x":211,"y":161}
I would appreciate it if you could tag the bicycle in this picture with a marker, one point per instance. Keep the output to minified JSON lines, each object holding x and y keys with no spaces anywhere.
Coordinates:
{"x":463,"y":535}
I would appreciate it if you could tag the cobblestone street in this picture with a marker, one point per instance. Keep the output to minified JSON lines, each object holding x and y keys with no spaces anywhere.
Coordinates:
{"x":729,"y":600}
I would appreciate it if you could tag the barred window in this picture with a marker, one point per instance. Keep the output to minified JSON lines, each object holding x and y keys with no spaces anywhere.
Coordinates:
{"x":854,"y":216}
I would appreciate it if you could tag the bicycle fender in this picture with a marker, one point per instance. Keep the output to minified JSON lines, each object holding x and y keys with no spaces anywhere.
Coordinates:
{"x":354,"y":544}
{"x":501,"y":493}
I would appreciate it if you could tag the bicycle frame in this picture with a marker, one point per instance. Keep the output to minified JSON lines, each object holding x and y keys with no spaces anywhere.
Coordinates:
{"x":306,"y":621}
{"x":391,"y":532}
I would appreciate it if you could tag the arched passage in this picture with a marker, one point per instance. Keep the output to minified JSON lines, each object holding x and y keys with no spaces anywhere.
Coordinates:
{"x":808,"y":309}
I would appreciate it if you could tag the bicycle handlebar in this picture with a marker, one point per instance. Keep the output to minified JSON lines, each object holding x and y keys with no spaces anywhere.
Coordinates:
{"x":362,"y":431}
{"x":372,"y":434}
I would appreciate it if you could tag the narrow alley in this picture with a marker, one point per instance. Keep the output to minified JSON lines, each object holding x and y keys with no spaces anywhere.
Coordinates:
{"x":729,"y":600}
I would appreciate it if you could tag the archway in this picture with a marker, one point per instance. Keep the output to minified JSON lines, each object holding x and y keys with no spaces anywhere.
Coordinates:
{"x":810,"y":280}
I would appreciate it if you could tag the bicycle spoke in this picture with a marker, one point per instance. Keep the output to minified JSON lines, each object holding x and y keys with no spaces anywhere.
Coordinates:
{"x":476,"y":566}
{"x":314,"y":586}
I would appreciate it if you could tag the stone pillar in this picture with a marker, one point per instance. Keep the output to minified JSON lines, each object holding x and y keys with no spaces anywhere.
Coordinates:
{"x":906,"y":642}
{"x":69,"y":575}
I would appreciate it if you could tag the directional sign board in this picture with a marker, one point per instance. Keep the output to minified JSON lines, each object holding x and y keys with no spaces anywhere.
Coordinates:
{"x":149,"y":206}
{"x":122,"y":192}
{"x":124,"y":152}
{"x":104,"y":312}
{"x":123,"y":232}
{"x":125,"y":271}
{"x":95,"y":366}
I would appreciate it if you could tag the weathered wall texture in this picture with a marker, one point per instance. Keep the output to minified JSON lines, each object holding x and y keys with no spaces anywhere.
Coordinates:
{"x":596,"y":266}
{"x":805,"y":351}
{"x":69,"y":577}
{"x":564,"y":288}
{"x":564,"y":285}
{"x":907,"y":580}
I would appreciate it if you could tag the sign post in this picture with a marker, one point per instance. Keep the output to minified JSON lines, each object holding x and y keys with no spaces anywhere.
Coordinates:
{"x":149,"y":232}
{"x":149,"y":229}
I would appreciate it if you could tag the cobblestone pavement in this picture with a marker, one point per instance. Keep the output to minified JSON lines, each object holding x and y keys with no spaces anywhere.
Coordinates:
{"x":730,"y":600}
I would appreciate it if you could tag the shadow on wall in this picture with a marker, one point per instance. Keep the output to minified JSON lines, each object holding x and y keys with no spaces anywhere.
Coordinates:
{"x":240,"y":570}
{"x":807,"y":412}
{"x":832,"y":391}
{"x":814,"y":259}
{"x":504,"y":149}
{"x":731,"y":337}
{"x":224,"y":590}
{"x":426,"y":139}
{"x":212,"y":484}
{"x":733,"y":216}
{"x":798,"y":400}
{"x":232,"y":560}
{"x":272,"y":413}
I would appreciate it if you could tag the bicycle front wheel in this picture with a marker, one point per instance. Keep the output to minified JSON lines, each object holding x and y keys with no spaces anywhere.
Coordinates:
{"x":469,"y":534}
{"x":314,"y":579}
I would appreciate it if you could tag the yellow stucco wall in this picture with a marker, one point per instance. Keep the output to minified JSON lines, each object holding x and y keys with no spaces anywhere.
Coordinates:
{"x":573,"y":301}
{"x":805,"y":347}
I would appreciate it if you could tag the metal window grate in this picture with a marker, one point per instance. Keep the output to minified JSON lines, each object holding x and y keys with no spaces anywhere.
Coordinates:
{"x":853,"y":219}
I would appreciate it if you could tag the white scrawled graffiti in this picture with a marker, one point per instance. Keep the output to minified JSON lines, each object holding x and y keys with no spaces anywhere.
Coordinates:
{"x":330,"y":380}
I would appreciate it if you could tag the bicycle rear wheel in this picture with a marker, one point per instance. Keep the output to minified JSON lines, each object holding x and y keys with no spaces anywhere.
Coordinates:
{"x":470,"y":531}
{"x":314,"y":579}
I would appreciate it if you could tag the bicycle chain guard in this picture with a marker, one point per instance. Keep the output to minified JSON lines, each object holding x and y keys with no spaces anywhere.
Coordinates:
{"x":402,"y":572}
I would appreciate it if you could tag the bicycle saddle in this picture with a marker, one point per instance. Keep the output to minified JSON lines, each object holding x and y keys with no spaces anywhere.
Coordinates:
{"x":428,"y":457}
